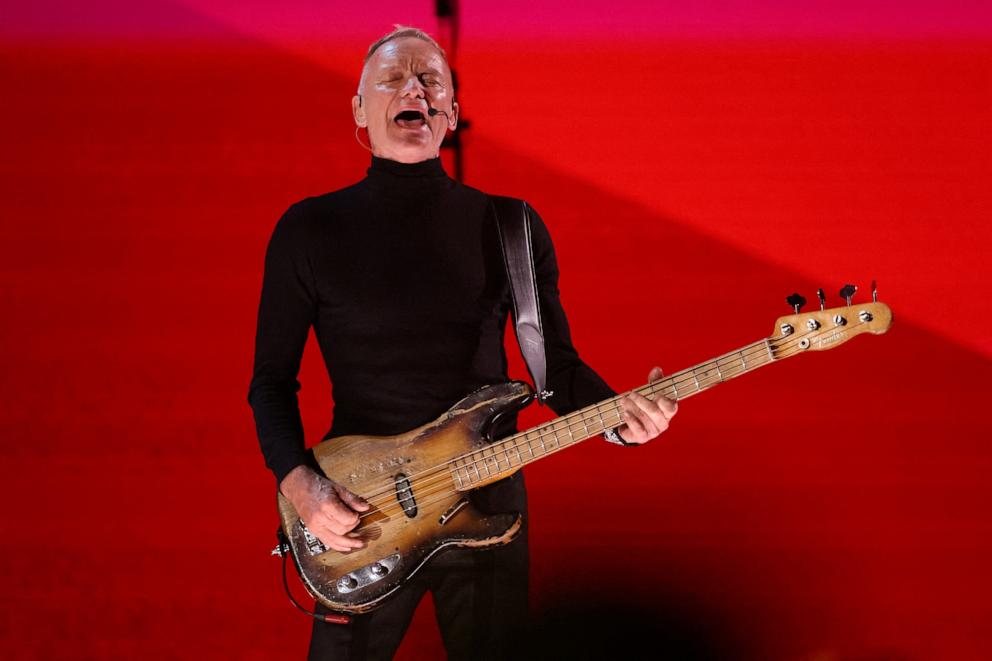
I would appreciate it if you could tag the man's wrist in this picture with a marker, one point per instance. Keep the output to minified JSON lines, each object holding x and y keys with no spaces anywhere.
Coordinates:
{"x":293,"y":479}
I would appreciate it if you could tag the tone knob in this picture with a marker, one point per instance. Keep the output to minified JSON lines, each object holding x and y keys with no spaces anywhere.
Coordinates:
{"x":347,"y":582}
{"x":379,"y":569}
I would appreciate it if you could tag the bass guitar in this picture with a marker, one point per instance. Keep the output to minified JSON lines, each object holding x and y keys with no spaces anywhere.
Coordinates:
{"x":417,"y":483}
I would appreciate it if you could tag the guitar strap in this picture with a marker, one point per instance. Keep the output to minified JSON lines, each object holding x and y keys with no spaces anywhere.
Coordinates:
{"x":513,"y":226}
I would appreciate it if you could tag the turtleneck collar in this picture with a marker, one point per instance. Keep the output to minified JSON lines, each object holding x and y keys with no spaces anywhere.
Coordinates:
{"x":425,"y":171}
{"x":408,"y":180}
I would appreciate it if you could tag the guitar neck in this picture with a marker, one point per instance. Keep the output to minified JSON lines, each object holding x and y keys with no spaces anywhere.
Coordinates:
{"x":819,"y":330}
{"x":504,"y":457}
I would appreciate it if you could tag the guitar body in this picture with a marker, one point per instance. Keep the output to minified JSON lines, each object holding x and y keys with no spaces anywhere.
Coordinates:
{"x":416,"y":508}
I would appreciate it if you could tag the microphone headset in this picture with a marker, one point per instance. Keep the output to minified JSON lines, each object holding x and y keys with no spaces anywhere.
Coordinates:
{"x":431,"y":111}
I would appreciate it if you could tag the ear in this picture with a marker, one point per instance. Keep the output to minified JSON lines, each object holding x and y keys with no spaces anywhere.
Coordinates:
{"x":357,"y":111}
{"x":453,"y":120}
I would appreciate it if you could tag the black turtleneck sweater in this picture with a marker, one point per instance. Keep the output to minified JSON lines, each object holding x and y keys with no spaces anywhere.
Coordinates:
{"x":402,"y":279}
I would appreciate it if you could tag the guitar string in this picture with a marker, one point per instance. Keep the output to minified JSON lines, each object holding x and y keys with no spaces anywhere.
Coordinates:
{"x":424,"y":499}
{"x":550,"y":428}
{"x":756,"y":348}
{"x":422,"y":480}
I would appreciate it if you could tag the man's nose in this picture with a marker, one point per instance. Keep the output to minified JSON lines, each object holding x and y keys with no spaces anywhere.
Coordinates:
{"x":413,"y":87}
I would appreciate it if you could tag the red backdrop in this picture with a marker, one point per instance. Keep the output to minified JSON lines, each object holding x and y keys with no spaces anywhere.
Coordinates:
{"x":694,"y":166}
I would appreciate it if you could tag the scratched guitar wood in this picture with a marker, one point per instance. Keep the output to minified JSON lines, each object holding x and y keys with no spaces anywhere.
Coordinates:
{"x":373,"y":466}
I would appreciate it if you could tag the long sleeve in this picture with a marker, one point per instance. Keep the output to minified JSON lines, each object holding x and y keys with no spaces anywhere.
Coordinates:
{"x":574,"y":384}
{"x":285,"y":314}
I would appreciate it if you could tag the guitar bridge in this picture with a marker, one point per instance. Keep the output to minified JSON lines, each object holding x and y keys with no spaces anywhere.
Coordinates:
{"x":314,"y":545}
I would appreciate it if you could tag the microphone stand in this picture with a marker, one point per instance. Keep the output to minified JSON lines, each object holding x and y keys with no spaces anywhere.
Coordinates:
{"x":447,"y":12}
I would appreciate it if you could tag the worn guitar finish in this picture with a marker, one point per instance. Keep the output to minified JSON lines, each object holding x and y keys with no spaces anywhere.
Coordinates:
{"x":416,"y":483}
{"x":406,"y":518}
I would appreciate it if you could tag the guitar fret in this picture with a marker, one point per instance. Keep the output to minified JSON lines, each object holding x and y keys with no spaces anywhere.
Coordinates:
{"x":492,"y":456}
{"x":520,"y":449}
{"x":506,"y":452}
{"x":601,"y":420}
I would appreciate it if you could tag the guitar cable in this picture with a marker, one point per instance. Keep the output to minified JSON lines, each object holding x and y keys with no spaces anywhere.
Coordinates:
{"x":330,"y":618}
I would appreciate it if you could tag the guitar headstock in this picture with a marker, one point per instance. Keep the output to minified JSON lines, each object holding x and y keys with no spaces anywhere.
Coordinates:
{"x":827,"y":328}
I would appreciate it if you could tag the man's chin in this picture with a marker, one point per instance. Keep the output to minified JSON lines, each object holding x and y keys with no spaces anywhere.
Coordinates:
{"x":410,"y":151}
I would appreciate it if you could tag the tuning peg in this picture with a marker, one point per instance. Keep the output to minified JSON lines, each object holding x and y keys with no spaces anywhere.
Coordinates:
{"x":847,"y":292}
{"x":796,"y":301}
{"x":874,"y":292}
{"x":823,"y":297}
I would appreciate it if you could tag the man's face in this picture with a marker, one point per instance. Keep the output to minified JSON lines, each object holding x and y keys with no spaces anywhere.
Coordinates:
{"x":402,"y":79}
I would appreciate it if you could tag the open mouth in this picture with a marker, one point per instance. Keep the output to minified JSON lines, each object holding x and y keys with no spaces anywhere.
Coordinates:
{"x":410,"y":119}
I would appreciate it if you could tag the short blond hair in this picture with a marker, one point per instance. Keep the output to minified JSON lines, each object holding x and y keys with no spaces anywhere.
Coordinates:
{"x":399,"y":32}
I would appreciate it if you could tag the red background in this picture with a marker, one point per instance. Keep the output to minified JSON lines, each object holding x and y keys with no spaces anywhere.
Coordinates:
{"x":694,"y":166}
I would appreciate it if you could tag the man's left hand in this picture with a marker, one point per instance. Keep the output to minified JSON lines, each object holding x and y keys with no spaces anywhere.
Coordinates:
{"x":646,"y":418}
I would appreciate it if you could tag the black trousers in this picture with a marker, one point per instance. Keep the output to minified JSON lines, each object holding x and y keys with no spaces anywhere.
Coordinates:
{"x":480,"y":599}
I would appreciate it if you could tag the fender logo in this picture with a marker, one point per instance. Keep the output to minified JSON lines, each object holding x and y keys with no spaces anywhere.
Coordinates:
{"x":829,"y":339}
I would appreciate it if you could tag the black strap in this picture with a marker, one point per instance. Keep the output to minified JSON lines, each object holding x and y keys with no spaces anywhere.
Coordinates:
{"x":513,"y":225}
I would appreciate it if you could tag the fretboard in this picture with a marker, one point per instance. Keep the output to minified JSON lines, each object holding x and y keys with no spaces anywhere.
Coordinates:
{"x":506,"y":456}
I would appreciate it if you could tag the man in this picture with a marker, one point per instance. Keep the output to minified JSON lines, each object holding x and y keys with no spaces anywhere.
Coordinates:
{"x":402,"y":278}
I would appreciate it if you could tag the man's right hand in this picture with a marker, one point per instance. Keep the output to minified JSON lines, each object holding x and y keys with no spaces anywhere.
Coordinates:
{"x":328,"y":509}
